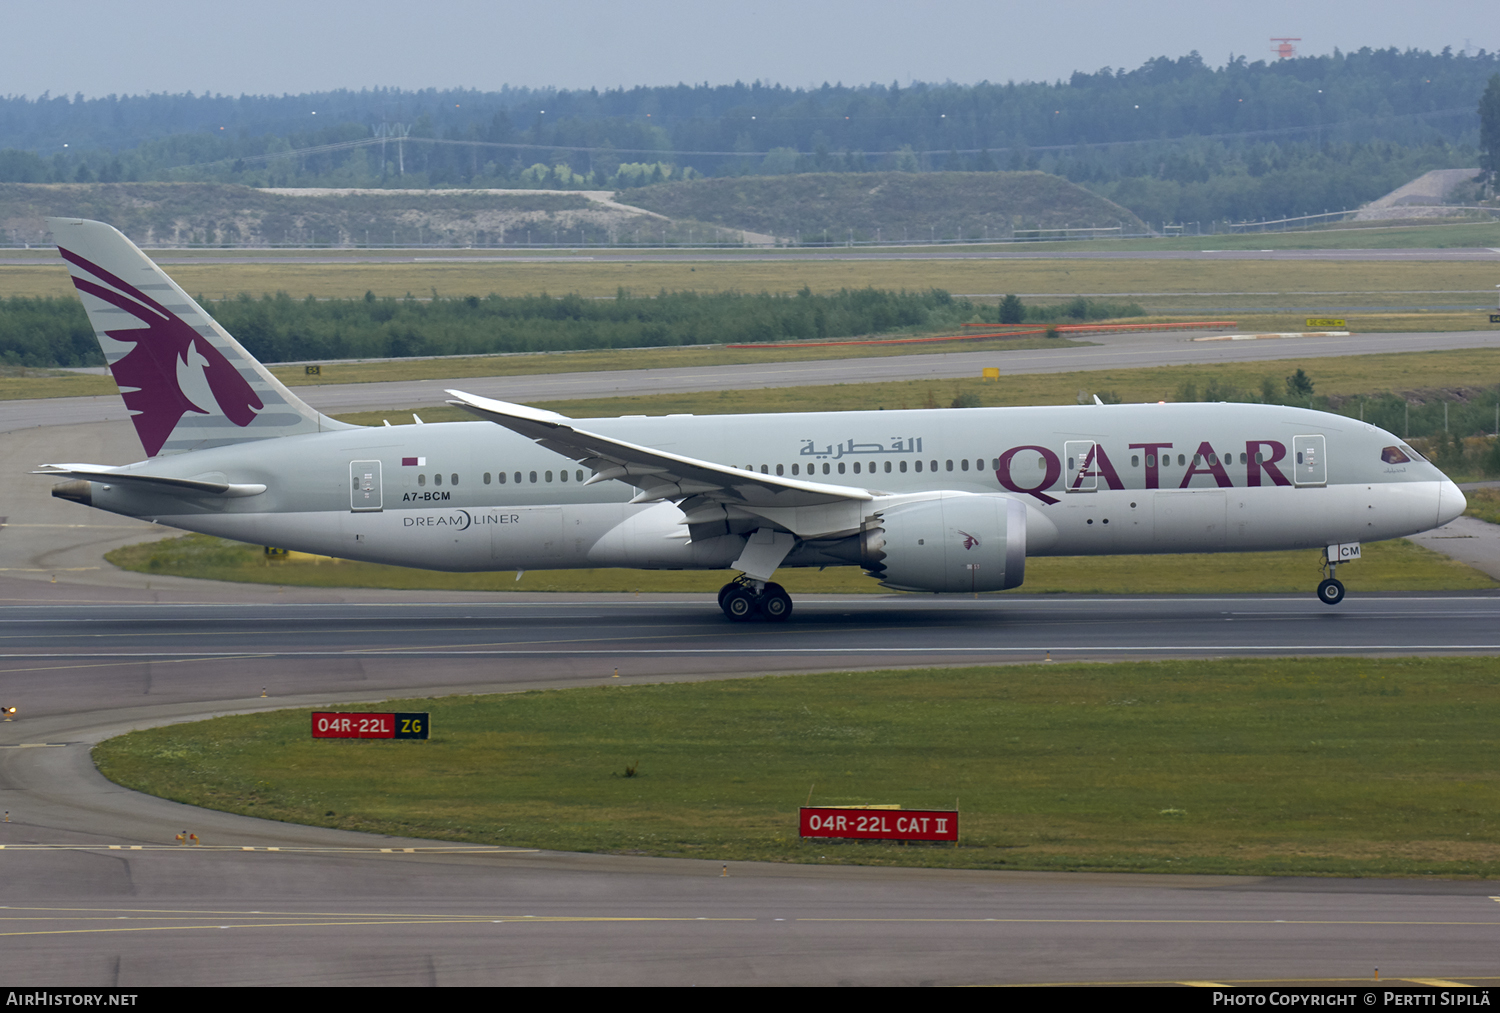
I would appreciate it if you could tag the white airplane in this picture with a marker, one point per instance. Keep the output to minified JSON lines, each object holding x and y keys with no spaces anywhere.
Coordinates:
{"x":949,"y":500}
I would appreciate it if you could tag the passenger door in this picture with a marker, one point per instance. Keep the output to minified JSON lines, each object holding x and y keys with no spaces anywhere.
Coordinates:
{"x":365,"y":488}
{"x":1310,"y":455}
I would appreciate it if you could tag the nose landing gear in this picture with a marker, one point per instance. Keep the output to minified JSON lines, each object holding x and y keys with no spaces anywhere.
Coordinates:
{"x":742,"y":599}
{"x":1330,"y":591}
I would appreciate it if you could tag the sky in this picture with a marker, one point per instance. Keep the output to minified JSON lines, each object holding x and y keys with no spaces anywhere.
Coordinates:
{"x":275,"y":46}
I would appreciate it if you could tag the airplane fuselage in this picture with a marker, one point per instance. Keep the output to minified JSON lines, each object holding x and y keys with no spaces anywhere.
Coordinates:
{"x":1154,"y":478}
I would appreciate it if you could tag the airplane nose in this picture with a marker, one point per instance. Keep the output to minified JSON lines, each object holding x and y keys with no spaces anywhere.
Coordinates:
{"x":1451,"y":503}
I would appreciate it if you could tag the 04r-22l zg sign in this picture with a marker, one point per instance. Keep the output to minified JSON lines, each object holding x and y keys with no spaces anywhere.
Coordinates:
{"x":349,"y":725}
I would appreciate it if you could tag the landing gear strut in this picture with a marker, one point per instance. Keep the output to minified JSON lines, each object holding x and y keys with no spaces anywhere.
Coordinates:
{"x":1331,"y":591}
{"x":743,"y":599}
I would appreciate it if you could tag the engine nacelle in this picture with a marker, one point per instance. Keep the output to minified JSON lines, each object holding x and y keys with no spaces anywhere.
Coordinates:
{"x":956,"y":543}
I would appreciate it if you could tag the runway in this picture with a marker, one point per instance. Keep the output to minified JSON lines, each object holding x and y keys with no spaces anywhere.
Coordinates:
{"x":389,"y":645}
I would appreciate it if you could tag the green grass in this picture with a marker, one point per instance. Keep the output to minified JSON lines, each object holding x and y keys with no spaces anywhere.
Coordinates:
{"x":1386,"y":566}
{"x":1349,"y":767}
{"x":1484,"y":504}
{"x":1153,"y":283}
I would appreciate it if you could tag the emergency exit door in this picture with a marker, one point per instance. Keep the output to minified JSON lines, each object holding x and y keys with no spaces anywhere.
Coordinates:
{"x":364,"y":485}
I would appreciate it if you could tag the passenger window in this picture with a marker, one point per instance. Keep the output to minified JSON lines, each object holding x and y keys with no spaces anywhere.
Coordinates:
{"x":887,"y":467}
{"x":421,"y":479}
{"x":765,"y":470}
{"x":903,"y":467}
{"x":549,"y":476}
{"x":500,"y":477}
{"x":950,"y":465}
{"x":578,"y":474}
{"x":562,"y":476}
{"x":437,"y":479}
{"x":932,"y":466}
{"x":1150,"y":460}
{"x":826,"y":469}
{"x":486,"y":478}
{"x":995,"y":464}
{"x":533,"y":478}
{"x":778,"y":470}
{"x":841,"y":467}
{"x":856,"y":467}
{"x":1135,"y":460}
{"x":1181,"y":460}
{"x":453,"y":479}
{"x":518,"y":477}
{"x":964,"y":464}
{"x":794,"y":469}
{"x":1243,"y":459}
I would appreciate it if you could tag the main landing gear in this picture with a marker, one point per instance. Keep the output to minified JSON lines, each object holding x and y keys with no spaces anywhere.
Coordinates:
{"x":743,"y":599}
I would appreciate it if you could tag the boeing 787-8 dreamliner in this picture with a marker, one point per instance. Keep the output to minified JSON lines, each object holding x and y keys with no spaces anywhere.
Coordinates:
{"x":948,"y":500}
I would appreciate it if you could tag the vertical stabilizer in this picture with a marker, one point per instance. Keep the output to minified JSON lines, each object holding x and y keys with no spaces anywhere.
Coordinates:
{"x":187,"y":383}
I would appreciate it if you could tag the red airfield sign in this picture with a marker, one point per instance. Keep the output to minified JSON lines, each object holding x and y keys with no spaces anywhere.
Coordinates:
{"x":880,"y":824}
{"x":350,"y":725}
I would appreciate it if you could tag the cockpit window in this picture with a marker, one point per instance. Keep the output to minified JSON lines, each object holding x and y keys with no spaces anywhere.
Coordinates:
{"x":1393,"y":455}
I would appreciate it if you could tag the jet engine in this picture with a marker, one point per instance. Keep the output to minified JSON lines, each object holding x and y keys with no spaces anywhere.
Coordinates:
{"x":959,"y":542}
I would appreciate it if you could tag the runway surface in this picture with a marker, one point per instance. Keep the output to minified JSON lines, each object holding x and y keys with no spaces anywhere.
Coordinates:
{"x":392,"y":645}
{"x":98,"y":893}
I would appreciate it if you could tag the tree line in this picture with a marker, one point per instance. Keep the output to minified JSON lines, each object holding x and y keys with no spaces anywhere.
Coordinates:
{"x":53,"y":332}
{"x":1172,"y":139}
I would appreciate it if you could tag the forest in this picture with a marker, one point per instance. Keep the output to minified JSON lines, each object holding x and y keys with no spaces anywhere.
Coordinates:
{"x":1172,"y":140}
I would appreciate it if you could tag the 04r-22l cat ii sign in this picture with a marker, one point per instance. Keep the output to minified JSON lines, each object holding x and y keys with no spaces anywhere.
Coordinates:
{"x":948,"y":500}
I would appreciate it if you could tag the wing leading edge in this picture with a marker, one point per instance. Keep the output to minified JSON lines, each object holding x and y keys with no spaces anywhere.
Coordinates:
{"x":714,"y":498}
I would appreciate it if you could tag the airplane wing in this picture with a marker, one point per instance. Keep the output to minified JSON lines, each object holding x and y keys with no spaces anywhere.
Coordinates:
{"x":714,"y":497}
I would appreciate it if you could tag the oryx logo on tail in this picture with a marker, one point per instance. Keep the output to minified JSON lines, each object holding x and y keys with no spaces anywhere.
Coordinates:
{"x":168,"y":356}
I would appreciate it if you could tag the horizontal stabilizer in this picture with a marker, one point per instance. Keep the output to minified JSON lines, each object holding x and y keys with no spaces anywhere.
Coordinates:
{"x":104,"y":473}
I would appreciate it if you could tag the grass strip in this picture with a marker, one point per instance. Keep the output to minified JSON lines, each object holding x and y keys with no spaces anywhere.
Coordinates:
{"x":1484,"y":504}
{"x":1348,"y":767}
{"x":1153,"y":282}
{"x":1396,"y":565}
